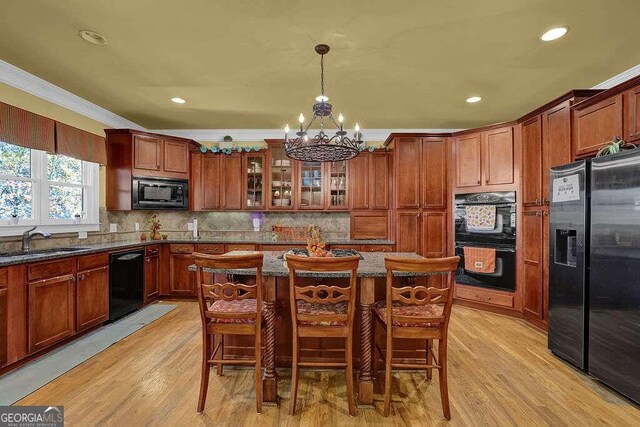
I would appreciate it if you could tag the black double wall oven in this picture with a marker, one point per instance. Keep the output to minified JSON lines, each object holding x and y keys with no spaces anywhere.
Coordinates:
{"x":499,"y":233}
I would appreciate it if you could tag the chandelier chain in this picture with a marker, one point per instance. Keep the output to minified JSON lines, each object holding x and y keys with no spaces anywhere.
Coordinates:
{"x":322,"y":75}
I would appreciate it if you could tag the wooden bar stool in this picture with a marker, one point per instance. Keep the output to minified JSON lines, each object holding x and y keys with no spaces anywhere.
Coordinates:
{"x":322,"y":311}
{"x":229,"y":309}
{"x":416,"y":312}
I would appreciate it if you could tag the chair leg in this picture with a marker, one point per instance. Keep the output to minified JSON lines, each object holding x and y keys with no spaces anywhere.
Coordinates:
{"x":221,"y":356}
{"x":444,"y":391}
{"x":204,"y":375}
{"x":294,"y":377}
{"x":429,"y":359}
{"x":387,"y":372}
{"x":349,"y":373}
{"x":259,"y":370}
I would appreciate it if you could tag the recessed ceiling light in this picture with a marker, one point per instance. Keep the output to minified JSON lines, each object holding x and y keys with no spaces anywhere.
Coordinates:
{"x":92,"y":37}
{"x":178,"y":100}
{"x":554,"y":34}
{"x":473,"y":99}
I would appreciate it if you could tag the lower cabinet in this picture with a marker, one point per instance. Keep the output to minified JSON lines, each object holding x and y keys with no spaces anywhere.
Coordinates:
{"x":181,"y":280}
{"x":51,"y":311}
{"x":3,"y":317}
{"x":151,"y":278}
{"x":92,"y":298}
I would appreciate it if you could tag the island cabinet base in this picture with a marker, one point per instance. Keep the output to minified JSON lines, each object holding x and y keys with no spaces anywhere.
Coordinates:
{"x":278,"y":336}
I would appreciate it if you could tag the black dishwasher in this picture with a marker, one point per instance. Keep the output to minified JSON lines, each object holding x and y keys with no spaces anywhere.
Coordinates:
{"x":126,"y":281}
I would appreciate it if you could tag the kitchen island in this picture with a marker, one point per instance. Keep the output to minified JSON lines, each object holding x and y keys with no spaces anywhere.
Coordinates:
{"x":277,"y":339}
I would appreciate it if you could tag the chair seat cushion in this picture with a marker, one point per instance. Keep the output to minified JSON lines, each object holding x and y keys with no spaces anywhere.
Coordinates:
{"x":410,"y":310}
{"x":320,"y":309}
{"x":241,"y":306}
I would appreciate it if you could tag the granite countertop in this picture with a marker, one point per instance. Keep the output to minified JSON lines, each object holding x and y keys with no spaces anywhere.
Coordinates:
{"x":128,"y":244}
{"x":372,"y":265}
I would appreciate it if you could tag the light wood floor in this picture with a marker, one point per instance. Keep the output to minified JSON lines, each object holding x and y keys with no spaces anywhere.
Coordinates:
{"x":500,"y":374}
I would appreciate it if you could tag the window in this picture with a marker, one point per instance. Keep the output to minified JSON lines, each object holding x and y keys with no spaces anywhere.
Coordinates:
{"x":52,"y":190}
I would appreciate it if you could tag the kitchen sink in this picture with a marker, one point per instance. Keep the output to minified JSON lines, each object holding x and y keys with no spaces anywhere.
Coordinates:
{"x":41,"y":251}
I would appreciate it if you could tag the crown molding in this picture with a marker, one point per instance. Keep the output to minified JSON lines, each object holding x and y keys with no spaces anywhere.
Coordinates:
{"x":619,"y":78}
{"x":249,"y":135}
{"x":27,"y":82}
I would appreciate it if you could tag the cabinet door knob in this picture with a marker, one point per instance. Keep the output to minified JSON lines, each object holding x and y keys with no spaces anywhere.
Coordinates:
{"x":538,"y":213}
{"x":537,"y":202}
{"x":81,"y":277}
{"x":148,"y":260}
{"x":479,"y":182}
{"x":486,"y":181}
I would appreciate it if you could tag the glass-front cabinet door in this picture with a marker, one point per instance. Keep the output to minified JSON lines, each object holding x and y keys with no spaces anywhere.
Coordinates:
{"x":281,"y":170}
{"x":254,"y":173}
{"x":311,"y":185}
{"x":338,"y":186}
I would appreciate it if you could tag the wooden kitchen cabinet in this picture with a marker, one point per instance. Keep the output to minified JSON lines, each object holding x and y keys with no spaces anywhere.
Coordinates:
{"x":498,"y":156}
{"x":4,"y":306}
{"x":281,"y":173}
{"x":408,"y":231}
{"x":337,"y":186}
{"x":533,"y":260}
{"x":468,"y":160}
{"x":632,"y":116}
{"x":132,"y":153}
{"x":369,"y":180}
{"x":359,"y":181}
{"x":595,"y":124}
{"x":175,"y":157}
{"x":231,"y":182}
{"x":51,"y":311}
{"x":181,"y":280}
{"x":92,"y":298}
{"x":433,"y":242}
{"x":151,"y":278}
{"x":556,"y":146}
{"x":407,"y":172}
{"x":532,"y":164}
{"x":205,"y":182}
{"x":434,"y":173}
{"x":253,"y":170}
{"x":485,"y":158}
{"x":147,"y":151}
{"x":311,"y":186}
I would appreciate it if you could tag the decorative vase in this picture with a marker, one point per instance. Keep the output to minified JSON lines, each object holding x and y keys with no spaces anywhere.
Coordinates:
{"x":14,"y":220}
{"x":156,"y":236}
{"x":143,"y":237}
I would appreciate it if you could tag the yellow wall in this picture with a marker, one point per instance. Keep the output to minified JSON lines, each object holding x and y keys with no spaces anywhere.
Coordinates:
{"x":12,"y":96}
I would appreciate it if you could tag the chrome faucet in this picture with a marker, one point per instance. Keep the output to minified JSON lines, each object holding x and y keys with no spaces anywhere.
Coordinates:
{"x":28,"y":235}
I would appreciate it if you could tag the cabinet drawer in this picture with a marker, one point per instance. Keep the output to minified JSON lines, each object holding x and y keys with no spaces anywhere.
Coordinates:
{"x":485,"y":296}
{"x":181,"y":248}
{"x":210,"y":248}
{"x":240,"y":247}
{"x":151,"y":250}
{"x":355,"y":247}
{"x":280,"y":248}
{"x":44,"y":270}
{"x":376,"y":248}
{"x":4,"y":280}
{"x":88,"y":262}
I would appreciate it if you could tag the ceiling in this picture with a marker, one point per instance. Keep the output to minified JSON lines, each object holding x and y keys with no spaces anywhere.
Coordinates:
{"x":250,"y":64}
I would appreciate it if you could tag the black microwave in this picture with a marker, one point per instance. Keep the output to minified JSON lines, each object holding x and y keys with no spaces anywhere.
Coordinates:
{"x":160,"y":193}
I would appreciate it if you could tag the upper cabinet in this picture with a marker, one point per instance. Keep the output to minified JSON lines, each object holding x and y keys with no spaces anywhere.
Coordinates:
{"x":311,"y":185}
{"x":498,"y":153}
{"x":338,"y":186}
{"x":231,"y":182}
{"x":205,"y":182}
{"x":532,"y":165}
{"x":369,"y":176}
{"x":281,"y":171}
{"x":632,"y":105}
{"x":420,"y":172}
{"x":596,"y":124}
{"x":254,"y":167}
{"x":468,"y":160}
{"x":485,"y":158}
{"x":133,"y":153}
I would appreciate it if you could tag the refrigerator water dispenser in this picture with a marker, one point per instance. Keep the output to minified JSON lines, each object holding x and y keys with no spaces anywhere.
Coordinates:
{"x":566,"y":248}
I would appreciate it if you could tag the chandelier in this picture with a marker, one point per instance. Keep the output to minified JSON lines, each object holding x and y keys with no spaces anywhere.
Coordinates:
{"x":322,"y":147}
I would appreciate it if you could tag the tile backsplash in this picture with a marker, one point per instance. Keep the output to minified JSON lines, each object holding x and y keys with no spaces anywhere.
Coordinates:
{"x":334,"y":225}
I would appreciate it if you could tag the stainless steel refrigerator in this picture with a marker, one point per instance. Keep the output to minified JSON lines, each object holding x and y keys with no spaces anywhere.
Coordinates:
{"x":594,"y":268}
